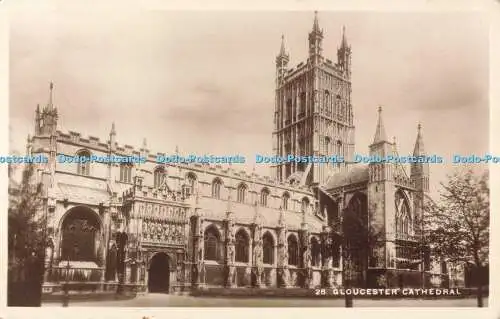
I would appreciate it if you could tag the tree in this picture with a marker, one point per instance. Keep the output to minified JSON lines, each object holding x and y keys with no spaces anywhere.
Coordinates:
{"x":457,"y":226}
{"x":26,"y":238}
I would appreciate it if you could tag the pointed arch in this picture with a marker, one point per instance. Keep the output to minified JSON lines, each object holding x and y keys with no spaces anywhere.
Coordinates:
{"x":305,"y":204}
{"x":242,"y":192}
{"x":268,"y":248}
{"x":315,"y":251}
{"x":293,"y":250}
{"x":264,"y":196}
{"x":216,"y":187}
{"x":212,"y":243}
{"x":159,"y":175}
{"x":242,"y":244}
{"x":83,"y":167}
{"x":126,"y":172}
{"x":285,"y":199}
{"x":403,"y":216}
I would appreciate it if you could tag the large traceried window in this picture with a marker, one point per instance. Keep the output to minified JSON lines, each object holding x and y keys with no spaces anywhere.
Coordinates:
{"x":216,"y":187}
{"x":211,"y":241}
{"x":241,"y":246}
{"x":268,"y":248}
{"x":126,"y":173}
{"x":264,"y":194}
{"x":403,"y":217}
{"x":159,"y":176}
{"x":293,"y":251}
{"x":242,"y":192}
{"x":83,"y":167}
{"x":80,"y":234}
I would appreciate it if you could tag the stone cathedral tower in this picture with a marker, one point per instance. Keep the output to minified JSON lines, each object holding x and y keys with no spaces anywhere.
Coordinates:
{"x":313,"y":111}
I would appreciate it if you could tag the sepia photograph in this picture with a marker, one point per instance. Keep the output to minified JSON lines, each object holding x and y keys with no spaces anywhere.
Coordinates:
{"x":198,"y":158}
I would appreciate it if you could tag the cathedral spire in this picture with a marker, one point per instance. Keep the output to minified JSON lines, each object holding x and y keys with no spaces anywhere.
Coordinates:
{"x":380,"y":135}
{"x":344,"y":37}
{"x":419,"y":143}
{"x":282,"y":58}
{"x":316,"y":23}
{"x":282,"y":49}
{"x":50,"y":104}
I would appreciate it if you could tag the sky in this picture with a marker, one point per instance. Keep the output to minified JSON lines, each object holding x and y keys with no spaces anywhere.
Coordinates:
{"x":204,"y":80}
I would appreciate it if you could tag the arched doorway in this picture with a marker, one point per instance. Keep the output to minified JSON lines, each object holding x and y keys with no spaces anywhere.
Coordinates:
{"x":159,"y":273}
{"x":80,"y":230}
{"x":356,"y":231}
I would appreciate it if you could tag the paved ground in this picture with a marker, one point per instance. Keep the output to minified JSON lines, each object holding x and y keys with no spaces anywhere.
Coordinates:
{"x":162,"y":300}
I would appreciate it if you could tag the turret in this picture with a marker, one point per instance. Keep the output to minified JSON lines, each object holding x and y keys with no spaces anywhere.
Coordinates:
{"x":344,"y":55}
{"x":282,"y":60}
{"x":316,"y":42}
{"x":419,"y":172}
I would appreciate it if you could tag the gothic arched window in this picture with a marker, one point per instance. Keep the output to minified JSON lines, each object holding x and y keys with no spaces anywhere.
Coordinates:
{"x":159,"y":176}
{"x":190,"y":185}
{"x":211,"y":241}
{"x":284,"y":200}
{"x":242,"y":191}
{"x":216,"y":186}
{"x":241,"y":246}
{"x":264,"y":194}
{"x":84,"y":165}
{"x":305,"y":204}
{"x":293,"y":251}
{"x":403,"y":220}
{"x":315,"y":252}
{"x":327,"y":145}
{"x":126,"y":173}
{"x":268,"y":249}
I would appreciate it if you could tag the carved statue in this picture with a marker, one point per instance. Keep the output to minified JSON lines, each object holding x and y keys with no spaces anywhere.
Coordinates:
{"x":257,"y":234}
{"x":258,"y":254}
{"x":200,"y":252}
{"x":307,"y":258}
{"x":284,"y":256}
{"x":230,"y":254}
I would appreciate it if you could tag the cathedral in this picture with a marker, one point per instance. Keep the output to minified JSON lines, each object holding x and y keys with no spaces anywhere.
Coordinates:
{"x":150,"y":227}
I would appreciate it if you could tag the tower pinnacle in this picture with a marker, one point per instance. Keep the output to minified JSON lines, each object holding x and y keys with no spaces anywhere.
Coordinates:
{"x":316,"y":23}
{"x":50,"y":104}
{"x":344,"y":37}
{"x":380,"y":135}
{"x":419,"y":143}
{"x":282,"y":49}
{"x":315,"y":41}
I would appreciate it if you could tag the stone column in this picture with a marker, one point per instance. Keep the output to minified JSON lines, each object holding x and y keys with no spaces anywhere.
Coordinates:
{"x":283,"y":271}
{"x":327,"y":274}
{"x":197,"y":236}
{"x":230,"y":270}
{"x":258,"y":263}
